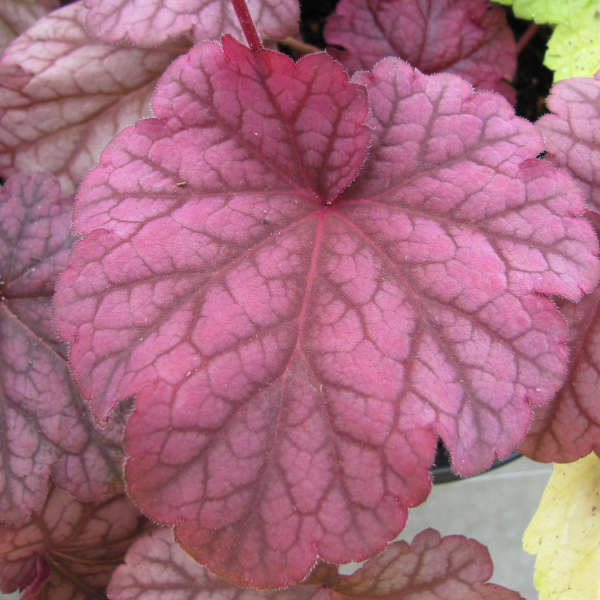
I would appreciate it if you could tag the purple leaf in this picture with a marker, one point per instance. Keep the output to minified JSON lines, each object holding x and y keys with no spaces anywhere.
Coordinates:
{"x":568,"y":427}
{"x":452,"y":568}
{"x":467,"y":37}
{"x":155,"y":566}
{"x":155,"y":21}
{"x":296,"y":343}
{"x":73,"y":95}
{"x":44,"y":426}
{"x":68,"y":548}
{"x":17,"y":15}
{"x":570,"y":132}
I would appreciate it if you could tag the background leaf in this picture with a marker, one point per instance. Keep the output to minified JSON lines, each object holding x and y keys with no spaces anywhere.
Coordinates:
{"x":45,"y":426}
{"x":565,"y":531}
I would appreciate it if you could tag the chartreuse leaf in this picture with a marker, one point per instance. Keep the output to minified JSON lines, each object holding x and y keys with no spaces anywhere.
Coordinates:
{"x":574,"y":47}
{"x":298,"y":318}
{"x":565,"y":533}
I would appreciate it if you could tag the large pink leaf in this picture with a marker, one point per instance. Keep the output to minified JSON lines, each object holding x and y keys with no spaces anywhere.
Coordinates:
{"x":295,"y":348}
{"x":468,"y":37}
{"x":73,"y":95}
{"x":154,"y":21}
{"x":570,"y":132}
{"x":452,"y":568}
{"x":69,"y":549}
{"x":568,"y":427}
{"x":17,"y":15}
{"x":45,"y":427}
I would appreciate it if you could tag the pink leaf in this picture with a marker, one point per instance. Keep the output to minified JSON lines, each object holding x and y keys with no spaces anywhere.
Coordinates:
{"x":570,"y":132}
{"x":68,"y":548}
{"x":298,"y":326}
{"x":568,"y":427}
{"x":17,"y":15}
{"x":155,"y":21}
{"x":44,"y":427}
{"x":452,"y":567}
{"x":467,"y":37}
{"x":155,"y":566}
{"x":75,"y":96}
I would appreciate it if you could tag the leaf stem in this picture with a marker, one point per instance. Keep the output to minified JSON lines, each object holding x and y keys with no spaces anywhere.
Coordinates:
{"x":524,"y":39}
{"x":248,"y":27}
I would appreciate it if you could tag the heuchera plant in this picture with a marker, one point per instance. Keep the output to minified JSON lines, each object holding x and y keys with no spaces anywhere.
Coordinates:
{"x":289,"y":282}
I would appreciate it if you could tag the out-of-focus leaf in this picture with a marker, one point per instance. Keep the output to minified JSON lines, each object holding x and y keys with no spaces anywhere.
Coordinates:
{"x":467,"y":37}
{"x":297,"y":323}
{"x":565,"y":533}
{"x":17,"y":15}
{"x":73,"y":96}
{"x":45,"y":426}
{"x":153,"y":22}
{"x":68,"y":550}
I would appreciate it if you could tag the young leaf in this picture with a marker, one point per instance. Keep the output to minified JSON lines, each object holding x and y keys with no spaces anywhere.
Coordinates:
{"x":467,"y":37}
{"x":17,"y":15}
{"x":453,"y":568}
{"x":156,"y":22}
{"x":73,"y":95}
{"x":68,"y":548}
{"x":565,"y":533}
{"x":45,"y":426}
{"x":294,"y":346}
{"x":570,"y":132}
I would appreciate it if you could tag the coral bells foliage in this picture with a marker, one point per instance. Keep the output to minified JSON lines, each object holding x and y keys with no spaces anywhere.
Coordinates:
{"x":298,"y":318}
{"x":469,"y":38}
{"x":300,"y":278}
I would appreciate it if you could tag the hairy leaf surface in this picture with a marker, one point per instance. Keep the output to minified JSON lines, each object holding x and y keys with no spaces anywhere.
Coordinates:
{"x":67,"y":548}
{"x":452,"y":568}
{"x":17,"y":15}
{"x":73,"y":95}
{"x":468,"y":37}
{"x":156,"y":566}
{"x":297,"y":323}
{"x":153,"y":22}
{"x":568,"y":427}
{"x":45,"y":426}
{"x":570,"y":132}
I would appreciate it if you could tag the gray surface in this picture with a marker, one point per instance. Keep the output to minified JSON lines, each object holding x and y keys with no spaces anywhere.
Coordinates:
{"x":494,"y":508}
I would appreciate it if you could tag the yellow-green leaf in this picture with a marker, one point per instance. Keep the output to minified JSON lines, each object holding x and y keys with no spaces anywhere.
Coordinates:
{"x":574,"y":47}
{"x":565,"y":533}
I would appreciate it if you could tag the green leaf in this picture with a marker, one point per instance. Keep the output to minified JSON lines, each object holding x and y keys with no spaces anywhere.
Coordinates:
{"x":574,"y":47}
